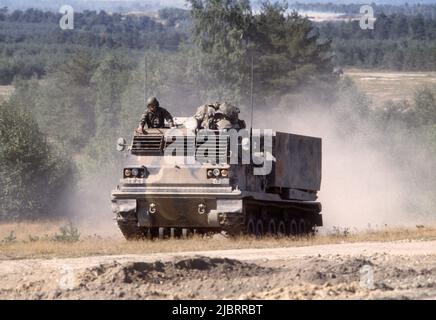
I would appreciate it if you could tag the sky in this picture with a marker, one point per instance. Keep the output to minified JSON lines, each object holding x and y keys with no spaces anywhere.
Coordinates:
{"x":151,"y":5}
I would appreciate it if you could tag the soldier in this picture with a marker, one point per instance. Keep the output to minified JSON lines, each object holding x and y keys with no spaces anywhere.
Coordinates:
{"x":209,"y":115}
{"x":229,"y":111}
{"x":205,"y":114}
{"x":226,"y":117}
{"x":154,"y":116}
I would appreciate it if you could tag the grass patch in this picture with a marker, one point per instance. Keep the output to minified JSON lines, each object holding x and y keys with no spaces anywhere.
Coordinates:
{"x":68,"y":233}
{"x":64,"y":240}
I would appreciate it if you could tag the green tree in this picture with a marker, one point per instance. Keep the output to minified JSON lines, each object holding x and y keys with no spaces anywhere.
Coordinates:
{"x":219,"y":30}
{"x":286,"y":48}
{"x":64,"y":102}
{"x":425,"y":106}
{"x":34,"y":175}
{"x":109,"y":80}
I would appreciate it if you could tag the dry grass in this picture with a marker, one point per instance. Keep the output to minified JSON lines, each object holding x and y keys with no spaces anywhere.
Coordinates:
{"x":5,"y":92}
{"x":36,"y":240}
{"x":382,"y":86}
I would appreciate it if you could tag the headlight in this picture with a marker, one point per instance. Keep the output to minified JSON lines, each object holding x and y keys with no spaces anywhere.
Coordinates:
{"x":216,"y":172}
{"x":135,"y":172}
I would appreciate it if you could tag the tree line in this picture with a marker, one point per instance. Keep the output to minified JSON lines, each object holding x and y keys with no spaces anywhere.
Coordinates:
{"x":31,"y":41}
{"x":398,"y":42}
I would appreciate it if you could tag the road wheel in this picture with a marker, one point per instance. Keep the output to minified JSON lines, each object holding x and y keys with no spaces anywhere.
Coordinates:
{"x":302,"y":226}
{"x":251,"y":226}
{"x":176,"y":233}
{"x":293,"y":227}
{"x":153,"y":233}
{"x":164,"y":233}
{"x":310,"y":227}
{"x":185,"y":233}
{"x":281,"y":229}
{"x":272,"y":227}
{"x":259,"y":228}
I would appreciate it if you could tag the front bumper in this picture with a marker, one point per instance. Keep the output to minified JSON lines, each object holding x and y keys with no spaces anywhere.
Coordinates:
{"x":176,"y":207}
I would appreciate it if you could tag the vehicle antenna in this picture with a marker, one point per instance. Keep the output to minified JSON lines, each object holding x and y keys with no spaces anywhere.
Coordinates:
{"x":251,"y":92}
{"x":145,"y":78}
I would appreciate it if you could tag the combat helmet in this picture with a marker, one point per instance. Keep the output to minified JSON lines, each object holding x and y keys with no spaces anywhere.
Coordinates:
{"x":152,"y":101}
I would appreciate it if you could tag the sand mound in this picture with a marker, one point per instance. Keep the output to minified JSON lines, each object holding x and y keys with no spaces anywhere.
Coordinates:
{"x":158,"y":272}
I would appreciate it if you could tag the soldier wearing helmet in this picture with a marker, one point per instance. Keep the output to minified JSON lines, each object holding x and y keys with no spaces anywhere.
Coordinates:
{"x":205,"y":114}
{"x":154,"y":116}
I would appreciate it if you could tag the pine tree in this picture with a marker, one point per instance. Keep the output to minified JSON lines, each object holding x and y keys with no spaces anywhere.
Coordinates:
{"x":288,"y":50}
{"x":285,"y":48}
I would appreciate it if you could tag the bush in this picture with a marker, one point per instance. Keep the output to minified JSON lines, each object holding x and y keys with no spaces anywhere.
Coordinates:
{"x":69,"y":233}
{"x":10,"y":238}
{"x":425,"y":106}
{"x":33,"y":174}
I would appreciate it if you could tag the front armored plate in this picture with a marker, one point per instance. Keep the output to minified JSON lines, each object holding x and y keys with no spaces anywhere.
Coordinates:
{"x":175,"y":212}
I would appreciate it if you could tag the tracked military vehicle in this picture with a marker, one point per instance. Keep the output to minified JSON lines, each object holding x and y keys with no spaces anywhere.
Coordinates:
{"x":173,"y":185}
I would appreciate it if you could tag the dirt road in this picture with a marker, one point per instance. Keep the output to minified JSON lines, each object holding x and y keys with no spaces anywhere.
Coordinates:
{"x":402,"y":269}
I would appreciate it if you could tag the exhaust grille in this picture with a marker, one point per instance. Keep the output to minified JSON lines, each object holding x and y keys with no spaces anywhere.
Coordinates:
{"x":209,"y":147}
{"x":147,"y":143}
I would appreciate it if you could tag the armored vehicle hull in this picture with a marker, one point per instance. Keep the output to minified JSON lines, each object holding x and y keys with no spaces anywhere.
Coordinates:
{"x":164,"y":194}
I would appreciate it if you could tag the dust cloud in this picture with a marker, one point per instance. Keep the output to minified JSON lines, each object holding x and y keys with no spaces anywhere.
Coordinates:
{"x":363,"y":184}
{"x":90,"y":207}
{"x":367,"y":181}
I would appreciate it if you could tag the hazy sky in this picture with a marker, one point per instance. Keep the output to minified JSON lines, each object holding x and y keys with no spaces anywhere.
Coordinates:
{"x":113,"y":5}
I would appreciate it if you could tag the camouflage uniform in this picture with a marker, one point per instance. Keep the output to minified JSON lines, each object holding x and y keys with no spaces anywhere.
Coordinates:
{"x":205,"y":114}
{"x":156,"y":119}
{"x":210,"y":115}
{"x":231,"y":113}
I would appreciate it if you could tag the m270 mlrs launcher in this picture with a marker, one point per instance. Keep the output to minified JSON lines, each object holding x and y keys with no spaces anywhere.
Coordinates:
{"x":181,"y":180}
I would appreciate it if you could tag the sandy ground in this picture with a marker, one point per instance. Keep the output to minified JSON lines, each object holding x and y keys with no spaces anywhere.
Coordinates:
{"x":369,"y":270}
{"x":382,"y":86}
